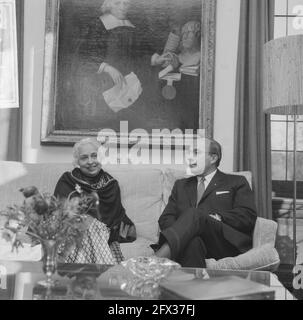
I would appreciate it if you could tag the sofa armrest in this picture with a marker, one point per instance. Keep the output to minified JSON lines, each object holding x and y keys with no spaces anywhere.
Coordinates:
{"x":265,"y":232}
{"x":263,"y":258}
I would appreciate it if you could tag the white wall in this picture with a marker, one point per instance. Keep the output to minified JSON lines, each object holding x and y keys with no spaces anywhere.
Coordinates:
{"x":34,"y":26}
{"x":228,"y":20}
{"x":227,"y":37}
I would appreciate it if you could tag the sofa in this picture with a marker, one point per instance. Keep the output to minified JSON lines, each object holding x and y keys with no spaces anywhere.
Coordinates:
{"x":145,"y":190}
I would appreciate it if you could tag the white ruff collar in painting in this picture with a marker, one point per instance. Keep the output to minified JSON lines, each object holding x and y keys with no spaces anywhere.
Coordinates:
{"x":111,"y":22}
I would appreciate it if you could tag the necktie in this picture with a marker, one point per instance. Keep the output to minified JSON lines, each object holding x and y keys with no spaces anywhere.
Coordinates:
{"x":200,"y":189}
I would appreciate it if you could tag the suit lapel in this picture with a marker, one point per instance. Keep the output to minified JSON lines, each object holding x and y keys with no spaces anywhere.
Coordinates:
{"x":216,"y":181}
{"x":191,"y":189}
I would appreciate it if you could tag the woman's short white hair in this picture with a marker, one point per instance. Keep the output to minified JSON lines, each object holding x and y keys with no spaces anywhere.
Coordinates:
{"x":79,"y":144}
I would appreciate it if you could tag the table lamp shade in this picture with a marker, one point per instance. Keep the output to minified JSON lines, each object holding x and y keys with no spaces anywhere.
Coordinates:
{"x":283,"y":94}
{"x":283,"y":76}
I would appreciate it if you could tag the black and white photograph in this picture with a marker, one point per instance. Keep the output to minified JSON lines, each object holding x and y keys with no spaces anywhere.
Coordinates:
{"x":151,"y":154}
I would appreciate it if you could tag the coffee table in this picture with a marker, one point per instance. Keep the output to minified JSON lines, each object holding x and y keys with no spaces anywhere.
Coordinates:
{"x":103,"y":282}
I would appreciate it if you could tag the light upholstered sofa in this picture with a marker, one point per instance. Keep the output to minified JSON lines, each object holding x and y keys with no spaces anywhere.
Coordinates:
{"x":145,"y":191}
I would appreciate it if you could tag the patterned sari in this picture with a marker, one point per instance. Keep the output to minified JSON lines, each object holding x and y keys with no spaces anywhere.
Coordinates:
{"x":109,"y":224}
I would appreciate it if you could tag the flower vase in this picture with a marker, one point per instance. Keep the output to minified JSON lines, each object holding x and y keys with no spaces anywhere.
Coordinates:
{"x":50,"y":261}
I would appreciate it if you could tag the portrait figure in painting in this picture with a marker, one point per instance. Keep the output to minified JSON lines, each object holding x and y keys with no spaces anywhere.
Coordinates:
{"x":180,"y":63}
{"x":190,"y":53}
{"x":107,"y":71}
{"x":109,"y":55}
{"x":186,"y":53}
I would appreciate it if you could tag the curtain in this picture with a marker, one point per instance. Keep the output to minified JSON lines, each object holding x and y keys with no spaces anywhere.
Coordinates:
{"x":252,"y":126}
{"x":11,"y":119}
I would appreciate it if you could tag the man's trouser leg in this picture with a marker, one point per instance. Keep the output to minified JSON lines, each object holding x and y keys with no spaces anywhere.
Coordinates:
{"x":196,"y":236}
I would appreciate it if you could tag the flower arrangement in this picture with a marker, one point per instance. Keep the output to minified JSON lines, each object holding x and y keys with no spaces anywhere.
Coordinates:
{"x":44,"y":217}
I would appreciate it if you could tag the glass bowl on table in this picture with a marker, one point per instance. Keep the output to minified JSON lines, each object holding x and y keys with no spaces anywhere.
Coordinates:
{"x":147,"y":272}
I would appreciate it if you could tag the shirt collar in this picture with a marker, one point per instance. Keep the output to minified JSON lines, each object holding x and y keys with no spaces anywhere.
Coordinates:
{"x":111,"y":22}
{"x":208,"y":177}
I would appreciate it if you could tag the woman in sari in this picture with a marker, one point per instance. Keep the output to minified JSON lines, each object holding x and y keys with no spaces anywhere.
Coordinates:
{"x":109,"y":224}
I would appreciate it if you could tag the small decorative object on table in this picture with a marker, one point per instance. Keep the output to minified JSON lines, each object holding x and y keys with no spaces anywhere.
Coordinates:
{"x":147,"y":273}
{"x":52,"y":222}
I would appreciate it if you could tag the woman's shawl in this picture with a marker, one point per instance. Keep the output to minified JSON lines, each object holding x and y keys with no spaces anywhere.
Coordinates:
{"x":111,"y":211}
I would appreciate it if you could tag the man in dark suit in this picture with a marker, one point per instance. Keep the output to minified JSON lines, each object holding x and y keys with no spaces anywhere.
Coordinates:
{"x":209,"y":215}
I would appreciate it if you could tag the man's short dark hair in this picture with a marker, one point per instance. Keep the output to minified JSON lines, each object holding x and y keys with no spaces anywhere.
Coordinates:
{"x":215,"y":148}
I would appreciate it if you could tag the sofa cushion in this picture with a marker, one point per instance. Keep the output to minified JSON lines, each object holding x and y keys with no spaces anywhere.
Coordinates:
{"x":265,"y":257}
{"x":141,"y":194}
{"x":14,"y":175}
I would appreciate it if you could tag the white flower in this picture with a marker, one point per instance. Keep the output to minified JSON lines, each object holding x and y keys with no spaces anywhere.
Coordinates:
{"x":13,"y":224}
{"x":78,"y":189}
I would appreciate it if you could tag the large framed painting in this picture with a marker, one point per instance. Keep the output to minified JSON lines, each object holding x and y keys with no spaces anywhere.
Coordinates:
{"x":122,"y":65}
